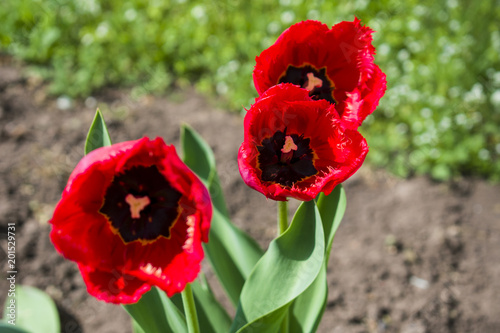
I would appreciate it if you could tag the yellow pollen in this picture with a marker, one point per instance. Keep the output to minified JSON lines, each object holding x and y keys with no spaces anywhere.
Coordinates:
{"x":289,"y":145}
{"x":188,"y":244}
{"x":312,"y":82}
{"x":136,"y":205}
{"x":151,"y":270}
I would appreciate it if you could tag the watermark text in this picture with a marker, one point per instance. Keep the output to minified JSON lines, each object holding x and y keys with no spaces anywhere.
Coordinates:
{"x":11,"y":306}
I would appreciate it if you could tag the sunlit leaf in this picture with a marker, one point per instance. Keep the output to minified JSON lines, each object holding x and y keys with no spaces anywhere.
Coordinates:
{"x":213,"y":318}
{"x":285,"y":271}
{"x":98,"y":135}
{"x":34,"y":311}
{"x":231,"y":252}
{"x":332,"y":208}
{"x":308,"y":308}
{"x":136,"y":328}
{"x":156,"y":313}
{"x":9,"y":328}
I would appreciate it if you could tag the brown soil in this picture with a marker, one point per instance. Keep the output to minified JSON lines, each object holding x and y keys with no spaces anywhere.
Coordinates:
{"x":411,"y":256}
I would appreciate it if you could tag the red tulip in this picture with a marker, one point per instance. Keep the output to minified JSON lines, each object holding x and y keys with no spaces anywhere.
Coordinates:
{"x":133,"y":216}
{"x":295,"y":146}
{"x":334,"y":64}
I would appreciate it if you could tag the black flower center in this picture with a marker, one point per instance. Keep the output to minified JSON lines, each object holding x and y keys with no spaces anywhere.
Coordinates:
{"x":308,"y":77}
{"x":286,"y":159}
{"x":141,"y":205}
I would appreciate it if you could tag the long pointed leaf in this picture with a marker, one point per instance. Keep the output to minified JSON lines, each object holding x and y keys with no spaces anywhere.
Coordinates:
{"x":136,"y":328}
{"x":198,"y":155}
{"x":156,"y":313}
{"x":332,"y":208}
{"x":34,"y":310}
{"x":239,"y":251}
{"x":98,"y":135}
{"x":212,"y":316}
{"x":231,"y":251}
{"x":308,"y":308}
{"x":9,"y":328}
{"x":285,"y":271}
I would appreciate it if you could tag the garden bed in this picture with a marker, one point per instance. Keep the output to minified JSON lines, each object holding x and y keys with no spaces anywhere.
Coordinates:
{"x":410,"y":255}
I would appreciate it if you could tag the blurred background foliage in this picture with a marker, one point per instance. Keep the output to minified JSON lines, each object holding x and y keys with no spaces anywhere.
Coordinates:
{"x":439,"y":117}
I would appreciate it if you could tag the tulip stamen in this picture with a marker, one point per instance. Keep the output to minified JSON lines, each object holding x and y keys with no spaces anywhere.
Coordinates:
{"x":137,"y":204}
{"x":288,"y":148}
{"x":312,"y":82}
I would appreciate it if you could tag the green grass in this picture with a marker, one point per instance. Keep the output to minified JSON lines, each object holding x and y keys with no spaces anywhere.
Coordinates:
{"x":440,"y":115}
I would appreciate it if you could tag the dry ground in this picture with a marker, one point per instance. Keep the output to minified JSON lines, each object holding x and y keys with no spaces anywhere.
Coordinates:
{"x":411,"y":256}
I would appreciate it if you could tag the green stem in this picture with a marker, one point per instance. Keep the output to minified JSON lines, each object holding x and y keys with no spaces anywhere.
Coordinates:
{"x":282,"y":226}
{"x":282,"y":216}
{"x":190,"y":310}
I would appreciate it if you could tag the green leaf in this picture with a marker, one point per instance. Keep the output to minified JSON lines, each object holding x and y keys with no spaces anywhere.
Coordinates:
{"x":308,"y":308}
{"x":232,"y":253}
{"x":98,"y":135}
{"x":198,"y":155}
{"x":34,"y":310}
{"x":285,"y":271}
{"x":212,"y":317}
{"x":9,"y":328}
{"x":332,"y":208}
{"x":156,"y":313}
{"x":136,"y":328}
